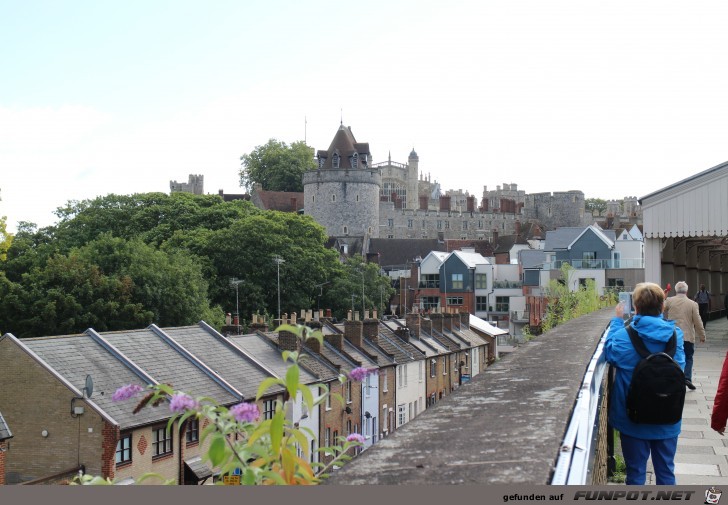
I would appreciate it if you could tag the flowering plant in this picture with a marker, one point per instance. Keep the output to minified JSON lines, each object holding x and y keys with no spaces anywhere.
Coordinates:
{"x":264,"y":452}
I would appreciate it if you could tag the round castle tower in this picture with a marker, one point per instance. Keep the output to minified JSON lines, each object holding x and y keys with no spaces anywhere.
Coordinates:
{"x":343,"y":193}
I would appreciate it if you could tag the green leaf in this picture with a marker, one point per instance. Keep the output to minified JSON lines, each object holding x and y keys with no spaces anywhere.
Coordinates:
{"x":267,"y":384}
{"x":276,"y":431}
{"x":292,"y":375}
{"x":216,"y":452}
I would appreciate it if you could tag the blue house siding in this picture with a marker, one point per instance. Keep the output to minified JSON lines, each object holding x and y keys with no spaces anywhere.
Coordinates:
{"x":589,"y":242}
{"x":454,"y":265}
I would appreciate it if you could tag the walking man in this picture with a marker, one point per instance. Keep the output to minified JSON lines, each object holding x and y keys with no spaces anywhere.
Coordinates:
{"x":686,"y":315}
{"x":703,"y":299}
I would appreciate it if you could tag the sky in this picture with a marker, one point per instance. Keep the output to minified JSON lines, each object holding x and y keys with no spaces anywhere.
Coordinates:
{"x":615,"y":99}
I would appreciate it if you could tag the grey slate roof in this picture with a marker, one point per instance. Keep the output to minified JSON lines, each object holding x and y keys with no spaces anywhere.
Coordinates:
{"x":5,"y":432}
{"x":395,"y":252}
{"x":222,"y":356}
{"x":358,"y":355}
{"x":386,"y":331}
{"x":470,"y":336}
{"x":449,"y":344}
{"x":167,"y":365}
{"x":75,"y":356}
{"x":266,"y":352}
{"x":561,"y":238}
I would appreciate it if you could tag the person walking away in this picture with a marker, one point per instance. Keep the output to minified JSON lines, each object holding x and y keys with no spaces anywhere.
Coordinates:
{"x":703,"y":299}
{"x":686,"y":315}
{"x":642,"y":441}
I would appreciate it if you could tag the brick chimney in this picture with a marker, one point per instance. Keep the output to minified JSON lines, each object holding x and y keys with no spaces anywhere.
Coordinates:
{"x":336,"y":340}
{"x":445,"y":203}
{"x":413,"y":323}
{"x":424,"y":202}
{"x":456,"y":320}
{"x":402,"y":333}
{"x":313,"y":344}
{"x":436,"y":319}
{"x":258,"y":323}
{"x":465,"y":320}
{"x":426,"y":325}
{"x":371,"y":329}
{"x":471,"y":204}
{"x":288,"y":341}
{"x":447,"y":321}
{"x":353,"y":332}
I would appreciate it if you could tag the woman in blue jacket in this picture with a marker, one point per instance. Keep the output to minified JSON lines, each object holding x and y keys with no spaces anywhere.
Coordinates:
{"x":640,"y":441}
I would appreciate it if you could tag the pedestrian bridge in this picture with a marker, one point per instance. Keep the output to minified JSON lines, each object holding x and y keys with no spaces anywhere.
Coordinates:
{"x":538,"y":416}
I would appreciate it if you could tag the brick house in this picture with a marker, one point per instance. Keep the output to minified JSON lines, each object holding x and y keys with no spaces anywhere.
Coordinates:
{"x":5,"y":436}
{"x":62,"y":428}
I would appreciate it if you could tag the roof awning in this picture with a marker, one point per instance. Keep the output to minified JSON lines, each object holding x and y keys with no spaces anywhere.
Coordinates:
{"x":199,"y":468}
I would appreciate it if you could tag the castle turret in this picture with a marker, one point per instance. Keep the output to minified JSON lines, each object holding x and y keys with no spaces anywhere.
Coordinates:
{"x":343,"y":193}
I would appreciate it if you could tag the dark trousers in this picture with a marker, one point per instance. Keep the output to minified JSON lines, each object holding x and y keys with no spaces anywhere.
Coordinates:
{"x":689,"y":351}
{"x":703,"y":309}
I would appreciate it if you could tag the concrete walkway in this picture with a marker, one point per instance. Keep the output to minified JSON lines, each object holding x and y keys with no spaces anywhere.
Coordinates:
{"x":702,"y":454}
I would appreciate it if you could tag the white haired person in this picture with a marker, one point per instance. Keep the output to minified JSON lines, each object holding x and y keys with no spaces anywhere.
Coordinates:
{"x":685,"y":313}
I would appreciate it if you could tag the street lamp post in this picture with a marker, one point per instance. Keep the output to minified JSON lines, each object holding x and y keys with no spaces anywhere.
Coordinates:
{"x":235,"y":282}
{"x":278,"y":261}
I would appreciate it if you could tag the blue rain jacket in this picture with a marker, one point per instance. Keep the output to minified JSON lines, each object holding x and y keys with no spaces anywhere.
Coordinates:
{"x":619,"y":351}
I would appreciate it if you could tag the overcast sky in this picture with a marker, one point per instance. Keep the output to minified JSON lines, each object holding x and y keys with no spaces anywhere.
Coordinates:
{"x":617,"y":98}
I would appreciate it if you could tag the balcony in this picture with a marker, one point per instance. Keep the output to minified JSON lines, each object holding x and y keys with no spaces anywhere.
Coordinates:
{"x":520,"y":316}
{"x":428,"y":284}
{"x":596,"y":264}
{"x":507,"y":284}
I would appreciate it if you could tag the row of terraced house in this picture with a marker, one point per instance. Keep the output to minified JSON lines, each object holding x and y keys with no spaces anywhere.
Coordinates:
{"x":57,"y":391}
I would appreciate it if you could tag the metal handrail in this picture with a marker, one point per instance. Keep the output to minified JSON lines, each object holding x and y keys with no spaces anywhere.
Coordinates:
{"x":576,"y":456}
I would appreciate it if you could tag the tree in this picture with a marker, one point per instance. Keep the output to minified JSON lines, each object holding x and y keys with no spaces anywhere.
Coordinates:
{"x":277,"y":166}
{"x":596,"y":206}
{"x":355,"y":276}
{"x":5,"y":239}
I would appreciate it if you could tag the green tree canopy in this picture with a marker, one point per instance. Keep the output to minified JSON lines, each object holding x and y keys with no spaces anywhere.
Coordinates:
{"x":596,"y":206}
{"x":277,"y":166}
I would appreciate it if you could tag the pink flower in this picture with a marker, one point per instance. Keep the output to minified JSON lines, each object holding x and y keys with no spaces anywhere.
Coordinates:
{"x":181,"y":402}
{"x":126,"y":392}
{"x":355,"y":437}
{"x":360,"y":373}
{"x":245,"y":412}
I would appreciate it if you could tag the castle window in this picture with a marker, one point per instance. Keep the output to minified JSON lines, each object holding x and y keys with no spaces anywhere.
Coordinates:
{"x":357,"y":198}
{"x":390,"y":236}
{"x":333,"y":198}
{"x":390,"y":222}
{"x":465,"y":225}
{"x":439,"y":224}
{"x":447,"y":225}
{"x":354,"y":160}
{"x":335,"y":161}
{"x":313,"y":198}
{"x":424,"y":224}
{"x":321,"y":162}
{"x":346,"y":230}
{"x":409,"y":223}
{"x":369,"y":230}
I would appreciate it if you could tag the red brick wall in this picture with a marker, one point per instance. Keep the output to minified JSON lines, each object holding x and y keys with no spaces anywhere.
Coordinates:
{"x":110,"y":437}
{"x":3,"y":448}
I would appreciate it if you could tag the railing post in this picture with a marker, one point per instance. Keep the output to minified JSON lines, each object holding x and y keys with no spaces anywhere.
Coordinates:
{"x":611,"y":460}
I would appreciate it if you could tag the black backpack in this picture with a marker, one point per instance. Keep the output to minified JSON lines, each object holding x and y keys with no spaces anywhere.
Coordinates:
{"x":657,"y":392}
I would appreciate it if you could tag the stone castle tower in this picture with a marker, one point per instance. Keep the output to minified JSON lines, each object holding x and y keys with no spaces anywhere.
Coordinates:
{"x":342,"y":194}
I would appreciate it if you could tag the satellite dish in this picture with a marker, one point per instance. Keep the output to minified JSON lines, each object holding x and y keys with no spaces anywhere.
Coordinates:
{"x":89,"y":388}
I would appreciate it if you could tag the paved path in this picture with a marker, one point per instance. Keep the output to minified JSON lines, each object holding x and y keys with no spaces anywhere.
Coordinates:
{"x":702,"y":454}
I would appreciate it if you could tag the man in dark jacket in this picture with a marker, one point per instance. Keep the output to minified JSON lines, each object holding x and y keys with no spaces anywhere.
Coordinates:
{"x":703,"y":299}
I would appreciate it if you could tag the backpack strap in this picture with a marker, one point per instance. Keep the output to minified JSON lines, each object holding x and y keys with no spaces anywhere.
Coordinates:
{"x":639,"y":346}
